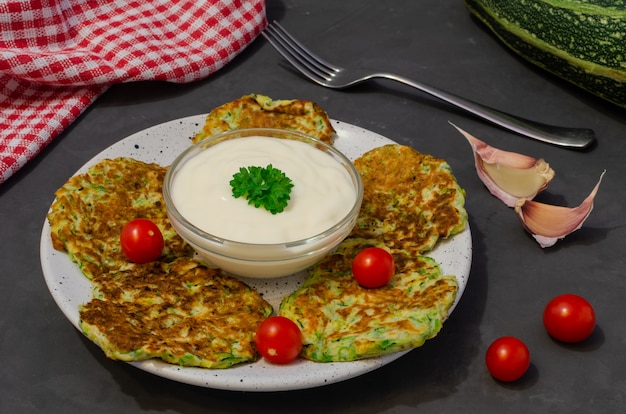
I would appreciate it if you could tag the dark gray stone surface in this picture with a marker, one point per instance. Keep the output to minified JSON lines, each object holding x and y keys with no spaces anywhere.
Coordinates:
{"x":47,"y":366}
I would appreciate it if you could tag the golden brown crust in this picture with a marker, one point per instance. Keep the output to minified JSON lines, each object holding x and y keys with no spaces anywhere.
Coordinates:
{"x":410,"y":199}
{"x":181,"y":312}
{"x":259,"y":111}
{"x":343,"y":321}
{"x":185,"y":313}
{"x":90,"y":210}
{"x":174,"y":308}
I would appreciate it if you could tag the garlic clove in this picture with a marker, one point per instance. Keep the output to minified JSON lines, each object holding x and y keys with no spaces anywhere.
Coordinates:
{"x":548,"y":223}
{"x":508,"y":176}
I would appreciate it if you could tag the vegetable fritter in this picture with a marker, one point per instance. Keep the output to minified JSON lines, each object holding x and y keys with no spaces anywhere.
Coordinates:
{"x":410,"y":201}
{"x":91,"y":209}
{"x":343,"y":321}
{"x":181,"y":312}
{"x":259,"y":111}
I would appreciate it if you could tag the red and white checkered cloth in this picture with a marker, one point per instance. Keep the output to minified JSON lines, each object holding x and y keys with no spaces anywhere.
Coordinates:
{"x":58,"y":56}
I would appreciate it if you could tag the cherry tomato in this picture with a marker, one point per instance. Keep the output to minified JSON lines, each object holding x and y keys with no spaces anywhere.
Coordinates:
{"x":141,"y":241}
{"x":373,"y":267}
{"x":278,"y":340}
{"x":569,"y":318}
{"x":507,"y":358}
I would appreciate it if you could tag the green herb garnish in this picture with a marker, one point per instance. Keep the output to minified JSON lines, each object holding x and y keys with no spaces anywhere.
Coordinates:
{"x":268,"y":187}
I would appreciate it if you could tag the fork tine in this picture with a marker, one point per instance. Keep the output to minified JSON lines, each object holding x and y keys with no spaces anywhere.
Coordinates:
{"x":294,"y":59}
{"x":296,"y":54}
{"x":304,"y":51}
{"x":289,"y":45}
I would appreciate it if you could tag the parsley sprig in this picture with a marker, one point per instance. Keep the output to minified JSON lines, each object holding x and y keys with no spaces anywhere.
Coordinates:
{"x":268,"y":187}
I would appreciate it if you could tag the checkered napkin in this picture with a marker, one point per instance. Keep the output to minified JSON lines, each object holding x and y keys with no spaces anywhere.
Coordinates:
{"x":58,"y":56}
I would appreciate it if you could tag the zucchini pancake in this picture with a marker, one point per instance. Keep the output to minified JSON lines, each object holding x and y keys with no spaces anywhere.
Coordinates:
{"x":174,"y":308}
{"x":181,"y":312}
{"x":411,"y":200}
{"x":406,"y":210}
{"x":185,"y":313}
{"x":342,"y":321}
{"x":259,"y":111}
{"x":91,"y":209}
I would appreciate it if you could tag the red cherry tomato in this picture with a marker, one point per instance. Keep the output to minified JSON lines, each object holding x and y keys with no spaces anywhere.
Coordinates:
{"x":569,"y":318}
{"x":373,"y":267}
{"x":278,"y":340}
{"x":507,"y":358}
{"x":141,"y":241}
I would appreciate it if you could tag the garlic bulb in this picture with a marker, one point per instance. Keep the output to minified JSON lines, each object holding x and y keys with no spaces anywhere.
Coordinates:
{"x":548,"y":223}
{"x":509,"y":176}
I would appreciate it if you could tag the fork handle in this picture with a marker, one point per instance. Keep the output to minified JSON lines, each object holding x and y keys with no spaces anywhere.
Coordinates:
{"x":578,"y":138}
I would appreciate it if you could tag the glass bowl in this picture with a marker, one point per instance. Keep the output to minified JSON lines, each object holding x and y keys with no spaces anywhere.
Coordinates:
{"x":260,"y":259}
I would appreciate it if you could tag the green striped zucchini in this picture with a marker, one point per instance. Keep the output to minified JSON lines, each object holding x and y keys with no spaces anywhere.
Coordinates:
{"x":583,"y":42}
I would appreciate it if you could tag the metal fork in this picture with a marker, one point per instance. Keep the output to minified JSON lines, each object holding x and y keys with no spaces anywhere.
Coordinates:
{"x":333,"y":76}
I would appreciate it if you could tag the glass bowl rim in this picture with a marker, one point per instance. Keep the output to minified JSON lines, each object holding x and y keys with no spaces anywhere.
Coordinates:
{"x":264,"y":132}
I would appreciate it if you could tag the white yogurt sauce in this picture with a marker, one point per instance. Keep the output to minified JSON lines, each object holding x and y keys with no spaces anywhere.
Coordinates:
{"x":322,"y":194}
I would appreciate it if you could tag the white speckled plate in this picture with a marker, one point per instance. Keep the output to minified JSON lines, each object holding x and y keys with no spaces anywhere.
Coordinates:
{"x":161,"y":144}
